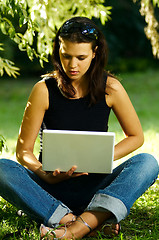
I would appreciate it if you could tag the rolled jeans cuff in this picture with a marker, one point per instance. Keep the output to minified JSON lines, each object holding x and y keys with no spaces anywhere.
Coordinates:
{"x":104,"y":203}
{"x":58,"y":214}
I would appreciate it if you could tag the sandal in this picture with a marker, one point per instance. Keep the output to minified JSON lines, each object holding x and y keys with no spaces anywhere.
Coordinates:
{"x":50,"y":233}
{"x":81,"y":220}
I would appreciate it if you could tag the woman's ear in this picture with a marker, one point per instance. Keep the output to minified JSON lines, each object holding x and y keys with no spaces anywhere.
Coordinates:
{"x":94,"y":52}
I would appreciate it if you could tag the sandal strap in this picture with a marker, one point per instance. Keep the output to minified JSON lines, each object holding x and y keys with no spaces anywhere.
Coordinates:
{"x":53,"y":232}
{"x":81,"y":220}
{"x":65,"y":227}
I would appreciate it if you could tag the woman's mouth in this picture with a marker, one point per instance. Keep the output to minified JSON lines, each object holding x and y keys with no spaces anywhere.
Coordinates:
{"x":73,"y":72}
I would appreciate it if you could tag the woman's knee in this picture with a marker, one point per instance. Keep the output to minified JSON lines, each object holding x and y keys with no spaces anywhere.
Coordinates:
{"x":3,"y":163}
{"x":7,"y":162}
{"x":149,"y":163}
{"x":6,"y":166}
{"x":149,"y":159}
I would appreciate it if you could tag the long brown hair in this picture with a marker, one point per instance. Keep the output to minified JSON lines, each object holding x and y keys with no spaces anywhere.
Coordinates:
{"x":95,"y":72}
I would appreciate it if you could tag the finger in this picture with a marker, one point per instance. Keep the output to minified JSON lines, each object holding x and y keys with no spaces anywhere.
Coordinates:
{"x":79,"y":174}
{"x":56,"y":172}
{"x":71,"y":171}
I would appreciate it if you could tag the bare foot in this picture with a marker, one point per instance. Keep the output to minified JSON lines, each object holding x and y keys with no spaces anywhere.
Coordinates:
{"x":68,"y":219}
{"x":106,"y":229}
{"x":45,"y":233}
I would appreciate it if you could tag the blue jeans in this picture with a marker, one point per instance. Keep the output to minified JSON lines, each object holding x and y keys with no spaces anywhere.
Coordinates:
{"x":47,"y":204}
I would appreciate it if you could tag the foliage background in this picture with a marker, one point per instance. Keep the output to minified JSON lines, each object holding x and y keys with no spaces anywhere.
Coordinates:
{"x":32,"y":24}
{"x":129,"y":48}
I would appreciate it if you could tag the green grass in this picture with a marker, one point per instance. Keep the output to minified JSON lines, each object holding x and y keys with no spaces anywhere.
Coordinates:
{"x":142,"y":222}
{"x":143,"y":89}
{"x":13,"y":97}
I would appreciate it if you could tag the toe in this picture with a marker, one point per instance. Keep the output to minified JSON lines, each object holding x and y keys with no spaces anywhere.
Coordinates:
{"x":115,"y":229}
{"x":43,"y":231}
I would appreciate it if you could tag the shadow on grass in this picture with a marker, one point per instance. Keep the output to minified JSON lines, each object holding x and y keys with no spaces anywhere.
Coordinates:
{"x":14,"y":227}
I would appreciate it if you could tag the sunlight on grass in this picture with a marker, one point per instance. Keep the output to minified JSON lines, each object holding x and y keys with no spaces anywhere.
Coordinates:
{"x":151,"y":144}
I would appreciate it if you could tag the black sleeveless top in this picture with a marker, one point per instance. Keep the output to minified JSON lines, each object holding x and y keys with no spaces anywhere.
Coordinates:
{"x":73,"y":114}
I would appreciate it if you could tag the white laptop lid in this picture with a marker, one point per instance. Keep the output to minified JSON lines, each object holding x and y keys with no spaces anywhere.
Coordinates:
{"x":91,"y":152}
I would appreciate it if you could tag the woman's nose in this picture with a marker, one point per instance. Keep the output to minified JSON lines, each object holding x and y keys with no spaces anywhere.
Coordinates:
{"x":73,"y":63}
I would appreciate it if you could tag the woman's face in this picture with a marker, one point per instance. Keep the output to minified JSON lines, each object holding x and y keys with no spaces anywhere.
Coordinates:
{"x":75,"y":58}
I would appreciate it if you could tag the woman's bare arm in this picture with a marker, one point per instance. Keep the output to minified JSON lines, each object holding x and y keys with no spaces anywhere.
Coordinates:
{"x":32,"y":120}
{"x":127,"y":117}
{"x":37,"y":104}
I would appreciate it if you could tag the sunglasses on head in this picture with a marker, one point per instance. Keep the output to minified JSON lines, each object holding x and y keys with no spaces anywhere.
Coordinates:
{"x":85,"y":29}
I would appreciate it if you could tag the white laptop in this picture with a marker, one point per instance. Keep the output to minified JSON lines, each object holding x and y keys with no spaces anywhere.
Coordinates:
{"x":91,"y":152}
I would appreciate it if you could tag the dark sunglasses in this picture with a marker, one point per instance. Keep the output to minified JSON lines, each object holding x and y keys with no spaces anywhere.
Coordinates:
{"x":85,"y":29}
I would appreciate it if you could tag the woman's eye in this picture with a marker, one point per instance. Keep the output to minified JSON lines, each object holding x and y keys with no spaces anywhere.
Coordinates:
{"x":66,"y":56}
{"x":81,"y":58}
{"x":69,"y":57}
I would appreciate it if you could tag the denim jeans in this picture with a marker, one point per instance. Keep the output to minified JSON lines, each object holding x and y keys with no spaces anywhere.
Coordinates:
{"x":47,"y":204}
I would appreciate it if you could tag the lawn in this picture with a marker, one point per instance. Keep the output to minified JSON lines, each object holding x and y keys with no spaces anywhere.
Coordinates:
{"x":143,"y":89}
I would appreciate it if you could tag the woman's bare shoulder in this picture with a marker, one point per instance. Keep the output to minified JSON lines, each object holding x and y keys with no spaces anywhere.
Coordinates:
{"x":40,"y":86}
{"x":115,"y":91}
{"x":113,"y":84}
{"x":39,"y":93}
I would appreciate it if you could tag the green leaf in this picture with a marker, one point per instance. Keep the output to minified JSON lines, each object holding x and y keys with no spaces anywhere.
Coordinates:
{"x":21,"y":20}
{"x":30,"y":52}
{"x":1,"y":48}
{"x":41,"y":63}
{"x":8,"y":66}
{"x":3,"y":28}
{"x":11,"y":32}
{"x":1,"y":72}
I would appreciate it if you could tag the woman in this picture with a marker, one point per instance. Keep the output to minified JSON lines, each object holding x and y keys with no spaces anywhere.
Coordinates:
{"x":78,"y":95}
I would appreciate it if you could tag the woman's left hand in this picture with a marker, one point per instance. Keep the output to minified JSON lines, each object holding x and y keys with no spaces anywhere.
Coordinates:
{"x":57,"y":176}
